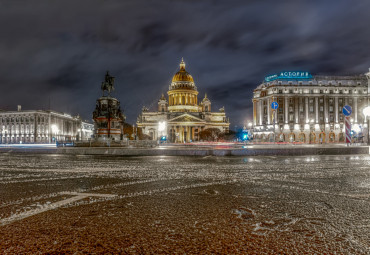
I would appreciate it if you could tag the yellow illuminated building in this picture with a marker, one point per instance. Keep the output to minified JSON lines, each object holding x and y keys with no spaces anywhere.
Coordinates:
{"x":181,"y":118}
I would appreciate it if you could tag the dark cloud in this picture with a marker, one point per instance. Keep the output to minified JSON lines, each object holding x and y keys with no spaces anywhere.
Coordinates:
{"x":58,"y":52}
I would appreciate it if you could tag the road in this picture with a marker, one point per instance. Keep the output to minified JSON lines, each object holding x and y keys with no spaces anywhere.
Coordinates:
{"x":161,"y":205}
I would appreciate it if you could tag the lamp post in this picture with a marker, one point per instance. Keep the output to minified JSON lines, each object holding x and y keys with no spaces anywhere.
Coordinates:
{"x":161,"y":129}
{"x":55,"y":131}
{"x":366,"y":112}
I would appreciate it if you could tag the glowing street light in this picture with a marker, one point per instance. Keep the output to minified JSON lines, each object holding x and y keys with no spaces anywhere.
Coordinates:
{"x":162,"y":125}
{"x":54,"y":130}
{"x":366,"y":112}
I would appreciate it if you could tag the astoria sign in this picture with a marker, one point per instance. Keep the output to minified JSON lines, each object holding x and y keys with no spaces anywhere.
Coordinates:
{"x":289,"y":75}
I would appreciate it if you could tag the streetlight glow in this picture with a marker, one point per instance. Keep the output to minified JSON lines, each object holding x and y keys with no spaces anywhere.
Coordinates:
{"x":366,"y":111}
{"x":161,"y":126}
{"x":54,"y":129}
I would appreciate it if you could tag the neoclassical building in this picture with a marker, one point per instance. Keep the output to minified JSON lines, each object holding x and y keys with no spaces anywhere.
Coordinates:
{"x":39,"y":126}
{"x":310,"y":107}
{"x":180,"y":118}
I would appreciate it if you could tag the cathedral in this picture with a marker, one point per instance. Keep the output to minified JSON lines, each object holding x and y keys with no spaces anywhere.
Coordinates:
{"x":180,"y":118}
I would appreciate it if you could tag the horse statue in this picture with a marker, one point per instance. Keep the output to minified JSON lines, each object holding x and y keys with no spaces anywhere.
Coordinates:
{"x":108,"y":83}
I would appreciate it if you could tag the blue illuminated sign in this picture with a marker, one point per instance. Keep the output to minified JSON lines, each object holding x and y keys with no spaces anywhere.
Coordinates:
{"x":289,"y":75}
{"x":274,"y":105}
{"x":347,"y":110}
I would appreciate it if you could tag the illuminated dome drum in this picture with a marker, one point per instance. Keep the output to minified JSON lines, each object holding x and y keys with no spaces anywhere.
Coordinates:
{"x":182,"y":93}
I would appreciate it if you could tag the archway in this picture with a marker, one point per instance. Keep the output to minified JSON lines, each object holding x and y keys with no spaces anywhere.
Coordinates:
{"x":341,"y":137}
{"x":331,"y":137}
{"x":312,"y":137}
{"x":281,"y":137}
{"x":291,"y":137}
{"x":271,"y":137}
{"x":264,"y":138}
{"x":322,"y":137}
{"x":302,"y":138}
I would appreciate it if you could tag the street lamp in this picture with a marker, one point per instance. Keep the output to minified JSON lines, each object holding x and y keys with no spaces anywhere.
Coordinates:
{"x":54,"y":130}
{"x":161,"y":129}
{"x":366,"y":112}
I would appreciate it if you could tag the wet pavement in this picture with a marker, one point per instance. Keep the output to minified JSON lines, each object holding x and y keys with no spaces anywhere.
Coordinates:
{"x":167,"y":205}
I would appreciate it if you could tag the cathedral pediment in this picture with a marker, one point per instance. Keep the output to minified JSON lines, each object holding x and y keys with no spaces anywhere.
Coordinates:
{"x":186,"y":118}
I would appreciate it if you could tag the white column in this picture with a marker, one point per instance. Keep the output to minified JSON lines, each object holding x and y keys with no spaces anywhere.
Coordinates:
{"x":255,"y":112}
{"x":326,"y":110}
{"x":296,"y":110}
{"x":269,"y":111}
{"x":355,"y":108}
{"x":336,"y":110}
{"x":260,"y":103}
{"x":317,"y":109}
{"x":286,"y":109}
{"x":306,"y":109}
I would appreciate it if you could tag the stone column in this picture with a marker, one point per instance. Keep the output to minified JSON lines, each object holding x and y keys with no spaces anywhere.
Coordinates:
{"x":306,"y":109}
{"x":296,"y":110}
{"x":260,"y":112}
{"x":326,"y":110}
{"x":355,"y":108}
{"x":254,"y":112}
{"x":317,"y":110}
{"x":269,"y":111}
{"x":336,"y":110}
{"x":286,"y":110}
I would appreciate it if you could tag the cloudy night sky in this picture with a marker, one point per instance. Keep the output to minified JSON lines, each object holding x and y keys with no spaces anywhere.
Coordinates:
{"x":59,"y":51}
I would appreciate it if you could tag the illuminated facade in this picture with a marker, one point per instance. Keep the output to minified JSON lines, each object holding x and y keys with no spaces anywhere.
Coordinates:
{"x":309,"y":108}
{"x":181,"y":118}
{"x":38,"y":126}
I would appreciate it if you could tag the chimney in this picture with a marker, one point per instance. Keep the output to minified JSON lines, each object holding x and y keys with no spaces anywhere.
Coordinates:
{"x":19,"y":108}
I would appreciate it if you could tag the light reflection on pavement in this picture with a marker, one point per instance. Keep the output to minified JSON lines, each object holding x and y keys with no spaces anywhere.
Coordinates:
{"x":237,"y":205}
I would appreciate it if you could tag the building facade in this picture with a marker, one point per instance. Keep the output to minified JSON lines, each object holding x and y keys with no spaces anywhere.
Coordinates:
{"x":180,"y":118}
{"x":310,"y":108}
{"x":108,"y":117}
{"x":38,"y":126}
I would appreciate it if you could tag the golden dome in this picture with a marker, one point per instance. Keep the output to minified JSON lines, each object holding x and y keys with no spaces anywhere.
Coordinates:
{"x":182,"y":75}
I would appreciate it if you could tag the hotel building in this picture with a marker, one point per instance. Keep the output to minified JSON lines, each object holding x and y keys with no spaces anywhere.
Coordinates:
{"x":310,"y":108}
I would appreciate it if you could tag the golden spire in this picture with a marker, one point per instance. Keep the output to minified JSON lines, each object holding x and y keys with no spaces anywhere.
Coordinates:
{"x":205,"y":95}
{"x":182,"y":65}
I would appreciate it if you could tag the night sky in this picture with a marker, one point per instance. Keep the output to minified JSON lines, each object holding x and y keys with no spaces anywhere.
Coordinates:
{"x":57,"y":53}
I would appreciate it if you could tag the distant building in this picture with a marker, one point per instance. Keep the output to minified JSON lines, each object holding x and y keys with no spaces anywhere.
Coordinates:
{"x":181,"y":118}
{"x":39,"y":126}
{"x":108,"y":117}
{"x":310,"y":107}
